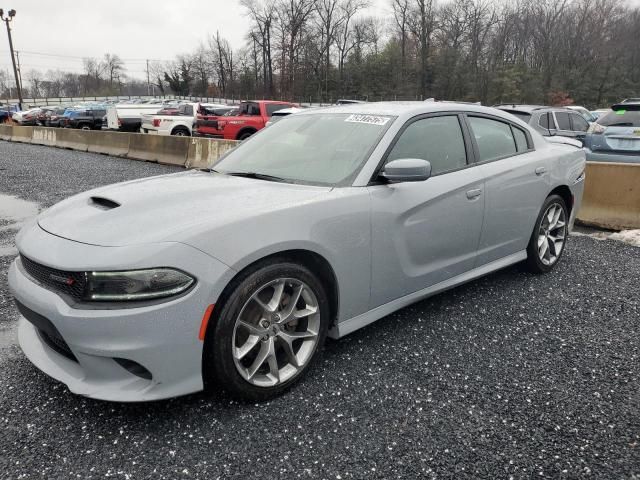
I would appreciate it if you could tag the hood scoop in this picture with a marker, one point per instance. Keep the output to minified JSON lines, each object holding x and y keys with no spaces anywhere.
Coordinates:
{"x":103,"y":203}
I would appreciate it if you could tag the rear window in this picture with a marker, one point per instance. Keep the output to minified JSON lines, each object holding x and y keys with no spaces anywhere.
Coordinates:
{"x":620,"y":118}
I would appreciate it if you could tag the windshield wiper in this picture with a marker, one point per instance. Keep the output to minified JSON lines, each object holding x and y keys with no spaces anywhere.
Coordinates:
{"x":258,"y":176}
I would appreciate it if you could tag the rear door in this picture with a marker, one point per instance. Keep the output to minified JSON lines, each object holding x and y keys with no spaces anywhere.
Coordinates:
{"x":516,"y":182}
{"x":426,"y":232}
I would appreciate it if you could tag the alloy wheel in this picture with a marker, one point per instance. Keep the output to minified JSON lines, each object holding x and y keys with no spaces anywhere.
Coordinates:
{"x":552,"y":234}
{"x":276,"y":332}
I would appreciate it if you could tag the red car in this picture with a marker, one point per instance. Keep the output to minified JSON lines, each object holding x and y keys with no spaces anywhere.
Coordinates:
{"x":207,"y":123}
{"x":252,"y":117}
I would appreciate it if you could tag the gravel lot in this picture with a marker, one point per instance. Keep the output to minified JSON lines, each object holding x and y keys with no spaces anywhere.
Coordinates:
{"x":513,"y":375}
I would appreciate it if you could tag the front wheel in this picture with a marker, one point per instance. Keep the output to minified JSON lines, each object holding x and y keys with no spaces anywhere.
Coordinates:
{"x":180,"y":132}
{"x":549,"y":235}
{"x":268,"y":333}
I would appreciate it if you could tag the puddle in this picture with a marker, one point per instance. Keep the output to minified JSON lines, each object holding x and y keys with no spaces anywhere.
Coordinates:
{"x":15,"y":211}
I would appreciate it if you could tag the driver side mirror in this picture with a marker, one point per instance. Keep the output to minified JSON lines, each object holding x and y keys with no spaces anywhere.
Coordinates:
{"x":406,"y":170}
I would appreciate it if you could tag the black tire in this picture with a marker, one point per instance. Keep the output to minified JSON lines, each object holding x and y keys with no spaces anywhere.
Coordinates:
{"x":219,"y":368}
{"x":245,"y":135}
{"x":85,"y":126}
{"x":534,"y":263}
{"x":180,"y":132}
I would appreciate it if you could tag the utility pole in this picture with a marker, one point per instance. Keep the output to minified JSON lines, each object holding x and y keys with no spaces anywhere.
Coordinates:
{"x":148,"y":81}
{"x":19,"y":69}
{"x":9,"y":18}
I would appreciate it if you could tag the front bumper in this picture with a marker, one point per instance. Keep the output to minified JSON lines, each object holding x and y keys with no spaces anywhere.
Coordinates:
{"x":161,"y":337}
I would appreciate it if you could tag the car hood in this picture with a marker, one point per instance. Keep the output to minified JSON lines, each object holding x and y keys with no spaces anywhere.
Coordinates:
{"x":168,"y":207}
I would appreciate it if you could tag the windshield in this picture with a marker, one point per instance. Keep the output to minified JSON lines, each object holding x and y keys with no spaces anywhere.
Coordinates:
{"x":620,"y":118}
{"x":319,"y":149}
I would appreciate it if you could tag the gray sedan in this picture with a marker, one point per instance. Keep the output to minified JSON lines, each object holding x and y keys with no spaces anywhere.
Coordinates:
{"x":322,"y":223}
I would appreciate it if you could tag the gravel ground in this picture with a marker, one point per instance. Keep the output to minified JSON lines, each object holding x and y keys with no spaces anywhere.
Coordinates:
{"x":510,"y":376}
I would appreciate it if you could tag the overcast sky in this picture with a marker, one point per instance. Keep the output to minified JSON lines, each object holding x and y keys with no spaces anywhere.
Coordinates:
{"x":57,"y":34}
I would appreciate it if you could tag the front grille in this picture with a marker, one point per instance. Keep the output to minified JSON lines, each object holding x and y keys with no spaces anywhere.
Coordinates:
{"x":58,"y":344}
{"x":72,"y":284}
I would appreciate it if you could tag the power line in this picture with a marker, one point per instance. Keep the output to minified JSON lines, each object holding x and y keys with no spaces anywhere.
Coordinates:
{"x":75,"y":57}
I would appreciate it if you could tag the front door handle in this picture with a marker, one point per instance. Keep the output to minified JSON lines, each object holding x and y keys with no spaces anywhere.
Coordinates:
{"x":540,"y":171}
{"x":471,"y":194}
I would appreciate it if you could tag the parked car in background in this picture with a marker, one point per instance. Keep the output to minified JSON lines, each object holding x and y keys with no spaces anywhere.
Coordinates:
{"x":127,"y":117}
{"x":6,"y":111}
{"x":280,"y":114}
{"x":550,"y":121}
{"x":324,"y":223}
{"x":599,"y":112}
{"x":84,"y":119}
{"x":179,"y":125}
{"x":631,"y":100}
{"x":253,"y":117}
{"x":44,"y":118}
{"x":207,"y":122}
{"x":586,"y":114}
{"x":27,"y":118}
{"x":615,"y":136}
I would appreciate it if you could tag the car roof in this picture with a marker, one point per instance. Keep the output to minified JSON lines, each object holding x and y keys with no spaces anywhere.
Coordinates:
{"x":406,"y":109}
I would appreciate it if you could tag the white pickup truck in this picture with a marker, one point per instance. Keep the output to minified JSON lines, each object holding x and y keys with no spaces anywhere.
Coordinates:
{"x":180,"y":124}
{"x":128,"y":117}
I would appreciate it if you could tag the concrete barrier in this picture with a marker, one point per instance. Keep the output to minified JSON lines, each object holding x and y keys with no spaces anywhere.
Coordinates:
{"x":204,"y":153}
{"x":5,"y":132}
{"x":169,"y":150}
{"x":611,"y":196}
{"x":108,"y":143}
{"x":43,"y":136}
{"x":21,"y":134}
{"x":72,"y":139}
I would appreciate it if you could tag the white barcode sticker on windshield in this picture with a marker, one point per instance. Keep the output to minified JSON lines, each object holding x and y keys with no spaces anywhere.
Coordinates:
{"x":370,"y":119}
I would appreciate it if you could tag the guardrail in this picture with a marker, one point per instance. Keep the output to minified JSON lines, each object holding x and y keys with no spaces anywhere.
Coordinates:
{"x":611,"y":196}
{"x":189,"y":152}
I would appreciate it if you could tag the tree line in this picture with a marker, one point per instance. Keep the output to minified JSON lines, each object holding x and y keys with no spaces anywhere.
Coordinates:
{"x":492,"y":51}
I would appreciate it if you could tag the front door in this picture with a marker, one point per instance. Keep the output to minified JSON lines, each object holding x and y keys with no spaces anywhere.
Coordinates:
{"x":426,"y":232}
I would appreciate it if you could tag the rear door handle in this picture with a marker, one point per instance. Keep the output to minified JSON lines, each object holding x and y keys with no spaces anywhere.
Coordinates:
{"x":540,"y":170}
{"x":471,"y":194}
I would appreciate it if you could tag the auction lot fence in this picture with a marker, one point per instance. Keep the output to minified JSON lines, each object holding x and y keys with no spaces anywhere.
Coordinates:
{"x":68,"y":101}
{"x":611,"y":197}
{"x":188,"y":152}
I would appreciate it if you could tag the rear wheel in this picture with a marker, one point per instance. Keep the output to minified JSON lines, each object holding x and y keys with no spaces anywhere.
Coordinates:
{"x":245,"y":135}
{"x":84,"y":126}
{"x":180,"y":132}
{"x":549,"y":235}
{"x":268,"y":333}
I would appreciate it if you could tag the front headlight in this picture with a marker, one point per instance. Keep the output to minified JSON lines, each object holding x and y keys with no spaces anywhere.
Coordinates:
{"x":136,"y":284}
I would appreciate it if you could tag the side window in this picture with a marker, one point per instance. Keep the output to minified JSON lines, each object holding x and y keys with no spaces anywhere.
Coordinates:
{"x":521,"y":139}
{"x":188,"y":110}
{"x":494,"y":138}
{"x":546,"y":121}
{"x":437,"y":139}
{"x":563,"y":121}
{"x":579,"y":123}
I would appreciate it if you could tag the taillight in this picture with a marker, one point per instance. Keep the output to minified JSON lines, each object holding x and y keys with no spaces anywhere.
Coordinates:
{"x":156,"y":122}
